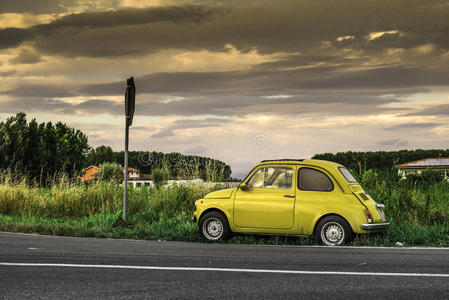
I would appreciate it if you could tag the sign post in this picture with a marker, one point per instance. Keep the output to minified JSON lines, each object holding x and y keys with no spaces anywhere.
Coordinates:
{"x":130,"y":100}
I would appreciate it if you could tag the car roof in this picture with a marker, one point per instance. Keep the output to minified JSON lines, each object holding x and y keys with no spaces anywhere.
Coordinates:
{"x":312,"y":162}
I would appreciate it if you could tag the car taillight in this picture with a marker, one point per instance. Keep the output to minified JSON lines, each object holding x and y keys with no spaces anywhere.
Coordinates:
{"x":368,"y":215}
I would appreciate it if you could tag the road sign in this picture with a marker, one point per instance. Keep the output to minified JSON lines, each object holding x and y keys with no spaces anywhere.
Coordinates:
{"x":130,"y":100}
{"x":130,"y":103}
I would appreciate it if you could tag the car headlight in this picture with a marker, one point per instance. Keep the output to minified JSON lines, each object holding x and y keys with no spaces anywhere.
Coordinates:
{"x":196,"y":202}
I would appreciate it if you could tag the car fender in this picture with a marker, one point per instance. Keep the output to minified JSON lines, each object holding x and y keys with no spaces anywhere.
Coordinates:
{"x":224,"y":207}
{"x":355,"y":222}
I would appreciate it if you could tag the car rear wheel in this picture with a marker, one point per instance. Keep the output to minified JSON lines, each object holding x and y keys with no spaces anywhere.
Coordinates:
{"x":214,"y":226}
{"x":333,"y":231}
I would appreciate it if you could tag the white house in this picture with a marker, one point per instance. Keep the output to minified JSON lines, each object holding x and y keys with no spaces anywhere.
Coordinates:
{"x":417,"y":166}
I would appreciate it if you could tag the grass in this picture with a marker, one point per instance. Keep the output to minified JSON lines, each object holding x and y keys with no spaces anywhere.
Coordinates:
{"x":418,"y":213}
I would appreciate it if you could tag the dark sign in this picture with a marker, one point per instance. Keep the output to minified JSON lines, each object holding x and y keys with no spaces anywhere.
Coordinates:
{"x":130,"y":100}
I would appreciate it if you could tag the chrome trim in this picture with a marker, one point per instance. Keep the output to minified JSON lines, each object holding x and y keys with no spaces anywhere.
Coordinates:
{"x":380,"y":205}
{"x":375,"y":226}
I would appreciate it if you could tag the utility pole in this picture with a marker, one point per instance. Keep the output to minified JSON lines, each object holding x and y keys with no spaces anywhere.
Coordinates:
{"x":130,"y":100}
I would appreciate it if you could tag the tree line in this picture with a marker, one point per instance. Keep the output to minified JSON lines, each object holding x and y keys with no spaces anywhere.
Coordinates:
{"x":177,"y":165}
{"x":360,"y":162}
{"x":42,"y":151}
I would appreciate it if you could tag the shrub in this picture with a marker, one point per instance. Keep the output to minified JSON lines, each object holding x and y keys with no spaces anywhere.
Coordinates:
{"x":110,"y":172}
{"x":160,"y":177}
{"x":370,"y":179}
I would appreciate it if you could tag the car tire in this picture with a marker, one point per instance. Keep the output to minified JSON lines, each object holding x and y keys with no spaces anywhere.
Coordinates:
{"x":214,"y":226}
{"x":333,"y":231}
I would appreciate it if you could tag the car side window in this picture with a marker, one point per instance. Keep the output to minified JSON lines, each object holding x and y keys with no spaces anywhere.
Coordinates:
{"x":278,"y":178}
{"x":256,"y":180}
{"x":314,"y":180}
{"x":272,"y":178}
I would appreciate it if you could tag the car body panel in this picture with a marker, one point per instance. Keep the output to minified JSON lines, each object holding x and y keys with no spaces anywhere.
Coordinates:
{"x":221,"y":194}
{"x":265,"y":208}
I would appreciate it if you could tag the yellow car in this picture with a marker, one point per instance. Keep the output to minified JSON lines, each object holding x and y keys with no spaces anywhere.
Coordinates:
{"x":292,"y":197}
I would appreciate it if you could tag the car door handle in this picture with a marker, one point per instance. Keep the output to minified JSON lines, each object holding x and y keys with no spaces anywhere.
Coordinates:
{"x":289,"y":196}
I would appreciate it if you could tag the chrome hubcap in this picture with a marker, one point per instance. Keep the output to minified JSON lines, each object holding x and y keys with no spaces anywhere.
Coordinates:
{"x":332,"y":234}
{"x":213,"y":229}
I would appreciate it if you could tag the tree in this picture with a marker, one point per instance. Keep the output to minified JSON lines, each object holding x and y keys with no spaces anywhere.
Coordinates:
{"x":110,"y":172}
{"x":100,"y":155}
{"x":160,"y":177}
{"x":39,"y":151}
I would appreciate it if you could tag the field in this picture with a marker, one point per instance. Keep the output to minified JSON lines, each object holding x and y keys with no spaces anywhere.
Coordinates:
{"x":418,"y":212}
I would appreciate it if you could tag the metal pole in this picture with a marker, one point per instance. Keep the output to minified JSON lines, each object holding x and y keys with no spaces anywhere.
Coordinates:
{"x":125,"y":171}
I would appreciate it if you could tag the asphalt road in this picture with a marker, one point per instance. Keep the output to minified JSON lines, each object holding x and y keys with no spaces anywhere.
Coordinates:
{"x":46,"y":267}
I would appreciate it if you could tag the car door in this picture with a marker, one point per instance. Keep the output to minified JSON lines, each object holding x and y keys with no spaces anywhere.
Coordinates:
{"x":268,"y":200}
{"x":316,"y":194}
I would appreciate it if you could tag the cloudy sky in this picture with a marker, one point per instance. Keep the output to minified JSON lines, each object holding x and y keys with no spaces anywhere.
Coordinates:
{"x":236,"y":80}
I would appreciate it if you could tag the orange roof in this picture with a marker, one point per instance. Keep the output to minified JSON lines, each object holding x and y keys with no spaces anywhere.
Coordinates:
{"x":130,"y":169}
{"x":89,"y":167}
{"x":438,"y":162}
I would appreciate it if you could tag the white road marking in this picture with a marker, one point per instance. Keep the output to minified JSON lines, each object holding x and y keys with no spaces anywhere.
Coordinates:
{"x":32,"y":248}
{"x":223,"y":270}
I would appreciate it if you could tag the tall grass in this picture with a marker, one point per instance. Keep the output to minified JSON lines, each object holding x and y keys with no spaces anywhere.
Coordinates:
{"x":419,"y":213}
{"x":69,"y":200}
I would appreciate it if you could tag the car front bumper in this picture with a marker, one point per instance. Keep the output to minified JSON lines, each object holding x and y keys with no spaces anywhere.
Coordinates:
{"x":375,"y":226}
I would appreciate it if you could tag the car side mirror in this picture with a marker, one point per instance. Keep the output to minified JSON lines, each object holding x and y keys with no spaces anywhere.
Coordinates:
{"x":243,"y":186}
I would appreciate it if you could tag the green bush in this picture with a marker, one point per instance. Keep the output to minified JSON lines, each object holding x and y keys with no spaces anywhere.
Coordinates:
{"x":160,"y":177}
{"x":110,"y":172}
{"x":370,"y":179}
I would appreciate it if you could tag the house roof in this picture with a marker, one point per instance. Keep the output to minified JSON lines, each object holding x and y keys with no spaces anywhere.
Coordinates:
{"x":440,"y":162}
{"x":90,"y":167}
{"x":130,"y":169}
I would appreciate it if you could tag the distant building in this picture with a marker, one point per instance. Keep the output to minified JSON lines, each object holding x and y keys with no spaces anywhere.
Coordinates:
{"x":137,"y":180}
{"x":89,"y":173}
{"x":132,"y":173}
{"x":134,"y":176}
{"x":417,"y":166}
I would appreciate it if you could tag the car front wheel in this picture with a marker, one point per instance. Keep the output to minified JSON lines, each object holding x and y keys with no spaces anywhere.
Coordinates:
{"x":333,"y":231}
{"x":214,"y":226}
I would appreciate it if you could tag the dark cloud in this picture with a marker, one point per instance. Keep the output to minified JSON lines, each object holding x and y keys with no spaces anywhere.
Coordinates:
{"x":114,"y":33}
{"x":435,"y":110}
{"x":408,"y":126}
{"x":33,"y":105}
{"x":197,"y":150}
{"x":288,"y":26}
{"x":33,"y":6}
{"x":190,"y":123}
{"x":163,"y":133}
{"x":385,"y":80}
{"x":61,"y":107}
{"x":38,"y":90}
{"x":324,"y":81}
{"x":98,"y":106}
{"x":26,"y":57}
{"x":13,"y":37}
{"x":133,"y":16}
{"x":7,"y":73}
{"x":394,"y":143}
{"x":336,"y":104}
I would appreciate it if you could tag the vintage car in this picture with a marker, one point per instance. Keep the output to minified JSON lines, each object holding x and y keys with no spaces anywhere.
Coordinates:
{"x":292,"y":197}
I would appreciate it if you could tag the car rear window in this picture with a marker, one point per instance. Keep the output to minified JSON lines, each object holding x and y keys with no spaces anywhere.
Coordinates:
{"x":347,"y":175}
{"x":313,"y":180}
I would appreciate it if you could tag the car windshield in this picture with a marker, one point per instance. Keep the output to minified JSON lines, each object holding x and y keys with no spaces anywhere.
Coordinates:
{"x":347,"y":175}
